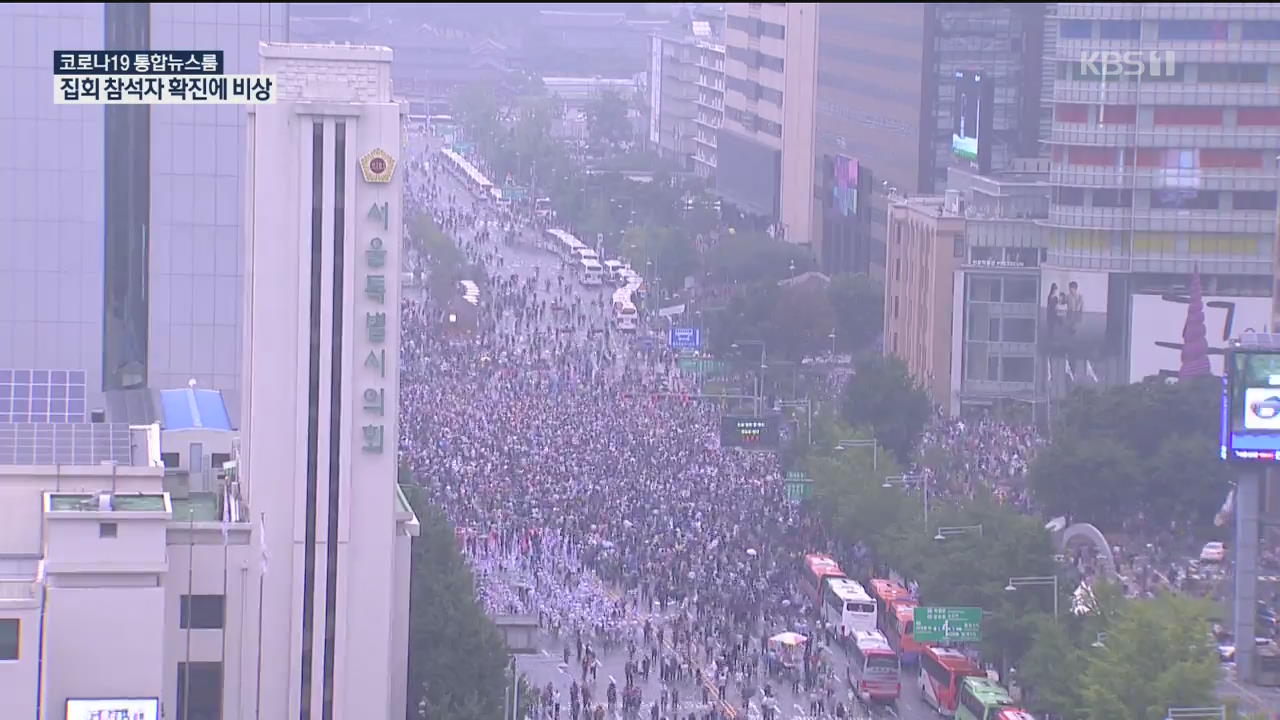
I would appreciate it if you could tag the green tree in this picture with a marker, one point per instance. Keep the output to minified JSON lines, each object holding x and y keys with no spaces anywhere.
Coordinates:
{"x":457,"y":656}
{"x":1092,"y":469}
{"x":1051,"y":671}
{"x":607,"y":120}
{"x":883,"y":394}
{"x":1094,"y":480}
{"x":747,"y":258}
{"x":858,"y":302}
{"x":663,"y":255}
{"x":476,"y":107}
{"x":1157,"y":655}
{"x":800,"y":321}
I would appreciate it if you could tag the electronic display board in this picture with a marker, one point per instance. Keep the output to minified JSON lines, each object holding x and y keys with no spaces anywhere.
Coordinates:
{"x":1250,"y":421}
{"x":759,"y":433}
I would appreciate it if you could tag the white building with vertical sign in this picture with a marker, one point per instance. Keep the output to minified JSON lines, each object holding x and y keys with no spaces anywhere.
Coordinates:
{"x":321,"y":390}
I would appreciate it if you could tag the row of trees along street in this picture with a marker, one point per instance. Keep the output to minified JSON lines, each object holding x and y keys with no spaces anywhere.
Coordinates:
{"x":1135,"y":451}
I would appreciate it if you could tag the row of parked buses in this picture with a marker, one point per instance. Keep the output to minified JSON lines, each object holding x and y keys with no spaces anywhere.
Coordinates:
{"x":472,"y":179}
{"x":879,"y":625}
{"x":590,"y":271}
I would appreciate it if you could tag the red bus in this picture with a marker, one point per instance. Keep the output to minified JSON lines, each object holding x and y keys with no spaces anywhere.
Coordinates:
{"x":900,"y":628}
{"x":942,"y":672}
{"x":885,"y":592}
{"x":873,"y":668}
{"x":817,"y":569}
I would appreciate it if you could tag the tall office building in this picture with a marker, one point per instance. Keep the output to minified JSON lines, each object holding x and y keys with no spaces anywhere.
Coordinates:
{"x":882,"y":115}
{"x":763,"y":59}
{"x":1158,"y":172}
{"x":125,"y":220}
{"x":323,"y":236}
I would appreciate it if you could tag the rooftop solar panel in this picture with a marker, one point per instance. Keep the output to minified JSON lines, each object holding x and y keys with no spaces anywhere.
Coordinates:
{"x":42,"y":396}
{"x":65,"y":443}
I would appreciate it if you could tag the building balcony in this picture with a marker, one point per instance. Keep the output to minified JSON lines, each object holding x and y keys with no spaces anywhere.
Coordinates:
{"x":706,"y":160}
{"x":715,"y":104}
{"x":1186,"y":136}
{"x":1163,"y":179}
{"x":710,"y":121}
{"x":705,"y":139}
{"x":711,"y":83}
{"x":1213,"y":265}
{"x":1168,"y":11}
{"x":1149,"y":220}
{"x":680,"y":73}
{"x":1167,"y":93}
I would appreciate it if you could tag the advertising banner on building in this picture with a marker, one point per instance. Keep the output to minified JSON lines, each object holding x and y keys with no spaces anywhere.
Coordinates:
{"x":1073,"y":312}
{"x":1155,"y":335}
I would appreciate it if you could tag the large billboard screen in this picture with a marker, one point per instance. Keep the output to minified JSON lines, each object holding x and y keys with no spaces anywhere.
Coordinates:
{"x":1156,"y":324}
{"x":113,"y":709}
{"x":844,"y":186}
{"x":1251,"y":407}
{"x":752,"y":433}
{"x":971,"y":118}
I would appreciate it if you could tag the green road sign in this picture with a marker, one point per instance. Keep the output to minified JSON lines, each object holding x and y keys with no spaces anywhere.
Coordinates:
{"x":797,"y":487}
{"x":947,"y":624}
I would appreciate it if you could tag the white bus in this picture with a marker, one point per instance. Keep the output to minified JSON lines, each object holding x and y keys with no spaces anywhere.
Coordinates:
{"x":847,"y":607}
{"x":625,"y":316}
{"x":466,"y":173}
{"x":499,"y":199}
{"x":542,"y":207}
{"x":590,"y":273}
{"x":562,"y":244}
{"x":613,"y":271}
{"x":586,"y":253}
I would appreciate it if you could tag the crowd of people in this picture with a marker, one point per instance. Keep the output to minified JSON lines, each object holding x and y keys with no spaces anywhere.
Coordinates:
{"x":582,"y":497}
{"x":968,"y":455}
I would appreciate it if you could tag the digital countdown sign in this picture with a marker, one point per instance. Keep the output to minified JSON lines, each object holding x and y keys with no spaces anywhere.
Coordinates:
{"x":1250,"y":423}
{"x":756,"y":433}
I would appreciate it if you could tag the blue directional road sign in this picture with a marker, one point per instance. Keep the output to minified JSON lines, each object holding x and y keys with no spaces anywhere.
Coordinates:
{"x":683,"y":338}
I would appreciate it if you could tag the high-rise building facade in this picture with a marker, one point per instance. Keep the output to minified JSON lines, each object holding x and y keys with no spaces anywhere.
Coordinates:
{"x":686,"y":100}
{"x":126,"y":259}
{"x":883,"y":112}
{"x":321,"y":397}
{"x":760,"y":55}
{"x":1159,"y":170}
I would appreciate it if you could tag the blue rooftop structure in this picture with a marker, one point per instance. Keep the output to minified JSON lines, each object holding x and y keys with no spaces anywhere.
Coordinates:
{"x":191,"y":409}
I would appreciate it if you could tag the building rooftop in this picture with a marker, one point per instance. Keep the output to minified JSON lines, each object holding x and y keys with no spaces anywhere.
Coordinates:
{"x":190,"y":409}
{"x":119,"y":502}
{"x":42,"y":396}
{"x":197,"y":507}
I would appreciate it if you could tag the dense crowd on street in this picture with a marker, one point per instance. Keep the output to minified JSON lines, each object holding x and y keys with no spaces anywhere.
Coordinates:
{"x":582,"y":498}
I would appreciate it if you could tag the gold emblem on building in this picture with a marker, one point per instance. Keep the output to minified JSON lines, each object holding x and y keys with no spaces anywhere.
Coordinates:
{"x":378,"y":166}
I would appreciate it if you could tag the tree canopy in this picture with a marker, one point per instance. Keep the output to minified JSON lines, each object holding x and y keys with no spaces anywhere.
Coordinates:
{"x":607,"y":120}
{"x":1142,"y":448}
{"x":457,"y":657}
{"x":858,"y":304}
{"x":883,"y":395}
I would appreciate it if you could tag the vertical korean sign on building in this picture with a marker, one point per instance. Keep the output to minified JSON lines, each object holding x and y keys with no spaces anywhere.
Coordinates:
{"x":376,"y":238}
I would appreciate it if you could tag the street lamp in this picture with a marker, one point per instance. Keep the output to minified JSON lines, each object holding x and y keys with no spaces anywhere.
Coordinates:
{"x":858,"y":442}
{"x":1040,"y":580}
{"x":832,"y":337}
{"x":759,"y":375}
{"x":946,"y":532}
{"x":909,"y":481}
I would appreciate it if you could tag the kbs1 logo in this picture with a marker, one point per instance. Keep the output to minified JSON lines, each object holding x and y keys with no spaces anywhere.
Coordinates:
{"x":1137,"y":63}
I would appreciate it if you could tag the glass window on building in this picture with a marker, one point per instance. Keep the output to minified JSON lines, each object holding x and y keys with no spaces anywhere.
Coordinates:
{"x":201,"y":612}
{"x":984,"y":289}
{"x":1193,"y":30}
{"x":975,"y":365}
{"x":1182,"y":199}
{"x":1254,"y":200}
{"x":1069,"y":196}
{"x":1119,"y":29}
{"x":1020,"y":290}
{"x":1231,"y":73}
{"x":1021,"y":330}
{"x":1017,"y":369}
{"x":1113,"y":198}
{"x":10,"y":635}
{"x":1075,"y":29}
{"x":199,"y":691}
{"x":1260,"y":30}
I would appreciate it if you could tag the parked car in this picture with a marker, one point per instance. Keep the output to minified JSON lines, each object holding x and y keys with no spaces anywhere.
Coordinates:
{"x":1213,"y":552}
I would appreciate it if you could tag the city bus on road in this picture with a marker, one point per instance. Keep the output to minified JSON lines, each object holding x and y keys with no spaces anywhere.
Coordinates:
{"x":466,"y":173}
{"x":874,"y":673}
{"x":942,"y":673}
{"x":590,"y":273}
{"x":817,"y":568}
{"x":847,"y":607}
{"x":542,"y":207}
{"x":562,"y":243}
{"x":898,"y":626}
{"x":984,"y":699}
